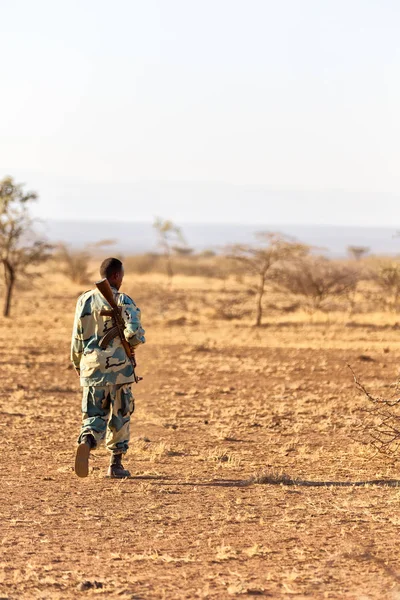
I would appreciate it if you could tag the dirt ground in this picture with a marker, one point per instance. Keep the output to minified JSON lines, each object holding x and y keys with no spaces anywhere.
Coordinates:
{"x":240,"y":439}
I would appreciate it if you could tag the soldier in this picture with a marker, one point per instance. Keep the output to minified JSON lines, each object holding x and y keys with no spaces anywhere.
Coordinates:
{"x":106,"y":374}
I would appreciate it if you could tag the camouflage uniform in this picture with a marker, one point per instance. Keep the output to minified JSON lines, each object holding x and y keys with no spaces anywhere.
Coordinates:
{"x":105,"y":375}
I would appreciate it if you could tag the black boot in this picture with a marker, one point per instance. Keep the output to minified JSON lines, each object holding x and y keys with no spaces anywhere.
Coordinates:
{"x":116,"y":469}
{"x":82,"y":455}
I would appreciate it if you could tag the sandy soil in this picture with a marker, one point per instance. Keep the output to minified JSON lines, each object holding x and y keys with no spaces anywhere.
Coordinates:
{"x":224,"y":416}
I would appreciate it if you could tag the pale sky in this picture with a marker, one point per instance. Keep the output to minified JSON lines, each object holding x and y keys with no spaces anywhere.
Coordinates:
{"x":299,"y":99}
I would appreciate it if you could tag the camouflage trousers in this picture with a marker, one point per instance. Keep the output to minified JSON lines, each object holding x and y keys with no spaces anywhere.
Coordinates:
{"x":106,"y":414}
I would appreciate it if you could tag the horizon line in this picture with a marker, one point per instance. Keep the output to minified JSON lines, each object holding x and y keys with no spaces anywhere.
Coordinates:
{"x":218,"y":223}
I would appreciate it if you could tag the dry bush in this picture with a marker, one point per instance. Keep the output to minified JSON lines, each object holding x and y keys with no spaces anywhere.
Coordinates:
{"x":150,"y":262}
{"x":232,"y":306}
{"x":75,"y":263}
{"x":319,"y":281}
{"x":192,"y":265}
{"x":386,"y":276}
{"x":217,"y":267}
{"x":161,"y":301}
{"x":379,"y":425}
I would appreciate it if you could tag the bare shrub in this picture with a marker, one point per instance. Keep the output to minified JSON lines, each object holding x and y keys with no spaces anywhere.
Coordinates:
{"x":231,"y":306}
{"x":162,"y":301}
{"x":379,"y":426}
{"x":143,"y":263}
{"x":207,"y":253}
{"x":387,"y":278}
{"x":319,"y":280}
{"x":195,"y":265}
{"x":75,"y":263}
{"x":182,"y":250}
{"x":217,"y":267}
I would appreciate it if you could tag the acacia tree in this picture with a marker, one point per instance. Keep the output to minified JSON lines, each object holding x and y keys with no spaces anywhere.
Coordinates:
{"x":262,"y":260}
{"x":357,"y":252}
{"x":170,"y":238}
{"x":20,"y":249}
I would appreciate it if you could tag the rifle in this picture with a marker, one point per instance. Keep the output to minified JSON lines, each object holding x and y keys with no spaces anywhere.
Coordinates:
{"x":118,"y":329}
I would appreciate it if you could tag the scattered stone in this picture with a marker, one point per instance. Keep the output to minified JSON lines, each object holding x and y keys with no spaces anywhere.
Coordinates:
{"x":223,"y":458}
{"x":89,"y":585}
{"x":201,"y":348}
{"x":366,"y":358}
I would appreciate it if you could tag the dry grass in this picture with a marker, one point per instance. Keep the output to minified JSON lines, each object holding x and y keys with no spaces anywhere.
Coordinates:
{"x":246,"y":479}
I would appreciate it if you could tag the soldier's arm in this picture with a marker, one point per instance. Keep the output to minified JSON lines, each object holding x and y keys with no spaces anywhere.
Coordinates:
{"x":134,"y":331}
{"x":77,"y":339}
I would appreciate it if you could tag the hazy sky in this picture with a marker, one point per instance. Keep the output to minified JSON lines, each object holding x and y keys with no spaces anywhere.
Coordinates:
{"x":286,"y":95}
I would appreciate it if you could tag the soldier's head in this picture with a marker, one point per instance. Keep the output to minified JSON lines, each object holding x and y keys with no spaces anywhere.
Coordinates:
{"x":113,"y":270}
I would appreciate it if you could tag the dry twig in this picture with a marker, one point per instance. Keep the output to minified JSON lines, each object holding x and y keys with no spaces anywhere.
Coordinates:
{"x":381,"y":428}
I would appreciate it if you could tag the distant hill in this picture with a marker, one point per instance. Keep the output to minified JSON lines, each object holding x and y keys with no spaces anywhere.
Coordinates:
{"x":133,"y":238}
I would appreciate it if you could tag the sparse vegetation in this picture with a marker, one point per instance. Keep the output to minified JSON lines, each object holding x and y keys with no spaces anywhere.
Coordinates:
{"x":170,"y":239}
{"x":263,"y":260}
{"x":242,"y":448}
{"x":243,"y":439}
{"x":387,"y":278}
{"x":318,"y":280}
{"x":20,"y":248}
{"x":76,"y":264}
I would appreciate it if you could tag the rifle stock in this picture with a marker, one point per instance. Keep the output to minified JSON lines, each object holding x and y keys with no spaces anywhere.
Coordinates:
{"x":105,"y":289}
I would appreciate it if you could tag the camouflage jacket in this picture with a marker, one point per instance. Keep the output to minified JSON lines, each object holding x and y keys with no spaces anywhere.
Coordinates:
{"x":98,"y":367}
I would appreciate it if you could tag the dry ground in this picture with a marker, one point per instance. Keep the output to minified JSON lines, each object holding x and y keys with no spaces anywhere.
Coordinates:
{"x":221,"y":404}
